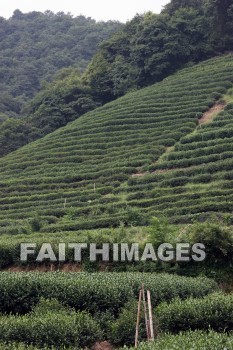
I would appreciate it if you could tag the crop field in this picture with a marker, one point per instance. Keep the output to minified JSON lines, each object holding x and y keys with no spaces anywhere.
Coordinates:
{"x":95,"y":291}
{"x":90,"y":174}
{"x":101,"y":179}
{"x":76,"y":310}
{"x":190,"y":340}
{"x":195,"y":178}
{"x":116,"y":222}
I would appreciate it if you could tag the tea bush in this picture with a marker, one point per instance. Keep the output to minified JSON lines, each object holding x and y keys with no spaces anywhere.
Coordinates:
{"x":89,"y":164}
{"x":214,"y":311}
{"x":197,"y":340}
{"x":50,"y":324}
{"x":95,"y":292}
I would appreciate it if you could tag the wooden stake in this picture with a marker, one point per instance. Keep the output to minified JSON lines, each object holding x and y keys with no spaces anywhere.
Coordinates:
{"x":138,"y":319}
{"x":65,"y":203}
{"x":152,"y":337}
{"x":145,"y":313}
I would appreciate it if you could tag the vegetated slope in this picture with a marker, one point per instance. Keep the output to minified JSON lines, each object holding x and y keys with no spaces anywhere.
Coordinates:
{"x":80,"y":176}
{"x":150,"y":47}
{"x":140,"y":53}
{"x":36,"y":45}
{"x":196,"y":177}
{"x":60,"y":102}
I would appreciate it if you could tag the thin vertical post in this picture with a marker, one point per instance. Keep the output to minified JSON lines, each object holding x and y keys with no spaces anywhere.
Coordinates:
{"x":152,"y":337}
{"x":145,"y":313}
{"x":138,"y":319}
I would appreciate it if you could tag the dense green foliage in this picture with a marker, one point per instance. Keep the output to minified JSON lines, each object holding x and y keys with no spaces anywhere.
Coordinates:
{"x":95,"y":292}
{"x":60,"y":102}
{"x":15,"y":133}
{"x":150,"y":154}
{"x":10,"y":244}
{"x":50,"y":324}
{"x":34,"y":46}
{"x":218,"y":241}
{"x":23,"y":346}
{"x":77,"y":309}
{"x":196,"y":177}
{"x":143,"y":51}
{"x":197,"y":340}
{"x":214,"y":311}
{"x":151,"y":46}
{"x":80,"y":176}
{"x":20,"y":291}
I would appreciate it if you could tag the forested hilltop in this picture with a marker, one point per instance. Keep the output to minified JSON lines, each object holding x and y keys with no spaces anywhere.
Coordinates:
{"x":144,"y":51}
{"x":151,"y":46}
{"x":35,"y":45}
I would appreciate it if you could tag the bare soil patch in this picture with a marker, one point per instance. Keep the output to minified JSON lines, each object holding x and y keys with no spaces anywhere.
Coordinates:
{"x":140,"y":174}
{"x":207,"y":117}
{"x":68,"y":267}
{"x":104,"y":345}
{"x":211,"y":113}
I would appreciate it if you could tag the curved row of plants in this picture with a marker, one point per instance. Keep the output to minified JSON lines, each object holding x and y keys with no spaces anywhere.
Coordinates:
{"x":86,"y":167}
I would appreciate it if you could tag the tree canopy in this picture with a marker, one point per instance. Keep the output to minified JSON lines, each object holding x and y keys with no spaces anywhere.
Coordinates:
{"x":151,"y":46}
{"x":49,"y":52}
{"x":35,"y":45}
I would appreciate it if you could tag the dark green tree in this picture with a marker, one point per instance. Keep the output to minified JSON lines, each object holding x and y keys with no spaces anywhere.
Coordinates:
{"x":34,"y":46}
{"x":220,"y":13}
{"x":15,"y":133}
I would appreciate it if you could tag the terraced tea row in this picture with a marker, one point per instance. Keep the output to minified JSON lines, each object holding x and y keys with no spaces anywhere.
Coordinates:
{"x":86,"y":167}
{"x":189,"y":341}
{"x":196,"y":176}
{"x":107,"y":291}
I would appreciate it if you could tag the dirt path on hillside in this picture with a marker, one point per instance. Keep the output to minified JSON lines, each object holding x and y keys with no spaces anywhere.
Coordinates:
{"x":211,"y":113}
{"x":207,"y":117}
{"x":140,"y":174}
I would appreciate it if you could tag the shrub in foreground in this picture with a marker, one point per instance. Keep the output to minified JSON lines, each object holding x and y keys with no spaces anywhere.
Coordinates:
{"x":50,"y":324}
{"x":214,"y":311}
{"x":197,"y":340}
{"x":122,"y":331}
{"x":95,"y":292}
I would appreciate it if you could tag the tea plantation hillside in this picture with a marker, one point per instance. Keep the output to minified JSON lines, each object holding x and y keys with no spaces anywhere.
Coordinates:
{"x":94,"y":172}
{"x":196,"y":177}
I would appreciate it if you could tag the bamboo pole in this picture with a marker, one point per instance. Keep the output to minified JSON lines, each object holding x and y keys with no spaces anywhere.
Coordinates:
{"x":152,"y":337}
{"x":138,"y":319}
{"x":145,"y":313}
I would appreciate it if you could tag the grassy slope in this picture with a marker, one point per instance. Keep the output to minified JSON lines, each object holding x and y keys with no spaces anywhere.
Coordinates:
{"x":81,"y":176}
